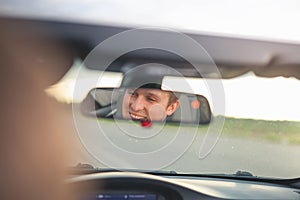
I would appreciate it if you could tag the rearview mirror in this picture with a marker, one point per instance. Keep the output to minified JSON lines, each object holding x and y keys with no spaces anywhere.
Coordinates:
{"x":112,"y":103}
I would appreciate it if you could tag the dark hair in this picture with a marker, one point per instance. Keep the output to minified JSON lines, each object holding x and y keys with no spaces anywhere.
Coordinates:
{"x":172,"y":97}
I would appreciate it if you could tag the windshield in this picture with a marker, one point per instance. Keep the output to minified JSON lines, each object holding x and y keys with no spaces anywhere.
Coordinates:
{"x":214,"y":104}
{"x":258,"y":132}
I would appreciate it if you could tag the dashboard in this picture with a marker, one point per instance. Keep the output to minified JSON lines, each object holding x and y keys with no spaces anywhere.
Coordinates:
{"x":141,"y":186}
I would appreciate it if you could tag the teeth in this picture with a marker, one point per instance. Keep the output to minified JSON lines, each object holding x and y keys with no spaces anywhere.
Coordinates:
{"x":136,"y":117}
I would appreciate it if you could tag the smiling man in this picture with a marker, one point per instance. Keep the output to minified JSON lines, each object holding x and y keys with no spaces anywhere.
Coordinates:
{"x":149,"y":104}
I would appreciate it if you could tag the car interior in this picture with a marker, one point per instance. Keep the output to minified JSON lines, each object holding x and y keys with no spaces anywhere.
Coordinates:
{"x":232,"y":56}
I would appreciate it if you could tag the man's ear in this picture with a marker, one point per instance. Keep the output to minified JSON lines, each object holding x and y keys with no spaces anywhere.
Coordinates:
{"x":172,"y":108}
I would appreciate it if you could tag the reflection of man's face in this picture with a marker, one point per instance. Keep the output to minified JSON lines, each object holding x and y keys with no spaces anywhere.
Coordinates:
{"x":148,"y":104}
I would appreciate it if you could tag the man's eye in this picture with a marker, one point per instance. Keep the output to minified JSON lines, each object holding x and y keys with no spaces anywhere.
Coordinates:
{"x":132,"y":94}
{"x":151,"y":99}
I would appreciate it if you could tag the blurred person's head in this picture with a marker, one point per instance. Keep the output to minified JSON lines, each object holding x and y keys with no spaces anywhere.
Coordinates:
{"x":32,"y":128}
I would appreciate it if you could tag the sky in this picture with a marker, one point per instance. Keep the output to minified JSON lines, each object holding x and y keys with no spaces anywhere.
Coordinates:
{"x":247,"y":96}
{"x":260,"y":19}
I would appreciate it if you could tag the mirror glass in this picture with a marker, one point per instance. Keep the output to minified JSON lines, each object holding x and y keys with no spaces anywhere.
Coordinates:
{"x":147,"y":104}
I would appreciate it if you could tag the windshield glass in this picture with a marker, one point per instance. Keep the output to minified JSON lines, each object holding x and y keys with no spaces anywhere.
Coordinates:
{"x":258,"y":133}
{"x":183,"y":110}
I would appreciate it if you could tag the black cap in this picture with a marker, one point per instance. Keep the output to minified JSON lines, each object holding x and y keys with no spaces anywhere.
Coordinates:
{"x":146,"y":76}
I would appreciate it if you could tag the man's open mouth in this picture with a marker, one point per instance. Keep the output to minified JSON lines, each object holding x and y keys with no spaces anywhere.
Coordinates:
{"x":137,"y":117}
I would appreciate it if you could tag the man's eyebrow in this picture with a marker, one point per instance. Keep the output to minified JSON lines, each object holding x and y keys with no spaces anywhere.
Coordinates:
{"x":130,"y":90}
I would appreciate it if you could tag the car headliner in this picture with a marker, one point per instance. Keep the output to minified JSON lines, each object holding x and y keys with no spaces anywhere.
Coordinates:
{"x":233,"y":56}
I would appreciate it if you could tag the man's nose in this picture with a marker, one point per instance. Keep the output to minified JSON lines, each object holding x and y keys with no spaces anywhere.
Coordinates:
{"x":137,"y":104}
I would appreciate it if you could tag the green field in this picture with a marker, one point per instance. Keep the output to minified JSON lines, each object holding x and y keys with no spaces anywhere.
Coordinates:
{"x":276,"y":131}
{"x":287,"y":132}
{"x":283,"y":132}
